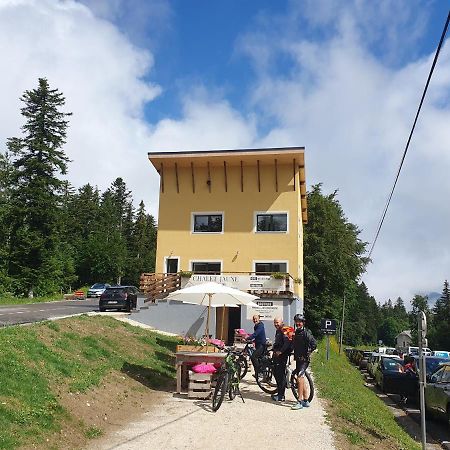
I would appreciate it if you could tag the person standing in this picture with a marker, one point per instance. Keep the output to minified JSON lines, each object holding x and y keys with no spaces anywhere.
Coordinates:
{"x":304,"y":344}
{"x":259,"y":337}
{"x":281,"y":348}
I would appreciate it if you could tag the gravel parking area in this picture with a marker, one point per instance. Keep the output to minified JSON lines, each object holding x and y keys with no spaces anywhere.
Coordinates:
{"x":181,"y":423}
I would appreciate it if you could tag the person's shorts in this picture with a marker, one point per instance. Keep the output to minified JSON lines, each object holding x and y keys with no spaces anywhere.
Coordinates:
{"x":302,"y":365}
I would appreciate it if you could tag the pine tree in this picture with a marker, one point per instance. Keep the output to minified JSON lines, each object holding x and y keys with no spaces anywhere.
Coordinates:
{"x":333,"y":257}
{"x":5,"y":194}
{"x":38,"y":159}
{"x":439,"y":335}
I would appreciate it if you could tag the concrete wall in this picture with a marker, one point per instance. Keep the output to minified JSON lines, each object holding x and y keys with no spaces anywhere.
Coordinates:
{"x":190,"y":320}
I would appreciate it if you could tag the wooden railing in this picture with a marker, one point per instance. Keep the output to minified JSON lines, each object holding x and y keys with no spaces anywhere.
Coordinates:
{"x":159,"y":285}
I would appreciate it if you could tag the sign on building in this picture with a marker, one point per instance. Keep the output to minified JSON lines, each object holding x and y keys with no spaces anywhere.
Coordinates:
{"x":267,"y":309}
{"x":328,"y":326}
{"x":241,"y":282}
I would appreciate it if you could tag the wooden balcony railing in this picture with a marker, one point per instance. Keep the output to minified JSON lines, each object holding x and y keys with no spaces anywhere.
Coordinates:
{"x":159,"y":285}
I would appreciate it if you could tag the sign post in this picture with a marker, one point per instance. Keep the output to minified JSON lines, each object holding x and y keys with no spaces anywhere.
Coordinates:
{"x":328,"y":327}
{"x":422,"y":332}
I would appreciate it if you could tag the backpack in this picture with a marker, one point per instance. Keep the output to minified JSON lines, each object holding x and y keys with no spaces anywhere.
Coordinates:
{"x":289,"y":332}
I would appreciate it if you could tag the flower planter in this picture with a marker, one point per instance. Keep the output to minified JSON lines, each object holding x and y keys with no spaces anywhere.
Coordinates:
{"x":196,"y":348}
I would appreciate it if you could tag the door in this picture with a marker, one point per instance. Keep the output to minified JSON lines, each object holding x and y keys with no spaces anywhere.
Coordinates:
{"x":171,"y":265}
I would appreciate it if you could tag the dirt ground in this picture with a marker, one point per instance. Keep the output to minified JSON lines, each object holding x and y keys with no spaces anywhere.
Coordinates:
{"x":181,"y":423}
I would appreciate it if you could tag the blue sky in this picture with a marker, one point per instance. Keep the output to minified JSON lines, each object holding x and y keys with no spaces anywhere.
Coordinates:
{"x":342,"y":78}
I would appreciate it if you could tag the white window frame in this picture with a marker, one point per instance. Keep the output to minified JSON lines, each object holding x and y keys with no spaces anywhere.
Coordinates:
{"x":265,"y":261}
{"x":207,"y":213}
{"x":255,"y":222}
{"x":171,"y":257}
{"x":191,"y":261}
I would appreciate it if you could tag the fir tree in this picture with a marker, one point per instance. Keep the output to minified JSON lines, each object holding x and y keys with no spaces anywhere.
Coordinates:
{"x":38,"y":158}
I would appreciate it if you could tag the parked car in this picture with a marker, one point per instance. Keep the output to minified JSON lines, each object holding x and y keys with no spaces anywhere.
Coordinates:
{"x":437,"y":392}
{"x":119,"y":297}
{"x":372,"y":363}
{"x":364,"y":360}
{"x":97,"y":289}
{"x":441,"y":353}
{"x":414,"y":351}
{"x":389,"y":375}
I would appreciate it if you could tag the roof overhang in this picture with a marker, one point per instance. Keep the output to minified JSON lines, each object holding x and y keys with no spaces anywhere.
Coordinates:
{"x":235,"y":157}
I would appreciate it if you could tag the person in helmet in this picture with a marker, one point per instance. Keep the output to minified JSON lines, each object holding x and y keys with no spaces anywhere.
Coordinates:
{"x":304,"y":344}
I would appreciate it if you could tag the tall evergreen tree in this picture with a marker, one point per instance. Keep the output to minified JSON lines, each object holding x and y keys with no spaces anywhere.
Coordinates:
{"x":5,"y":197}
{"x":333,"y":257}
{"x":38,"y":159}
{"x":439,"y":334}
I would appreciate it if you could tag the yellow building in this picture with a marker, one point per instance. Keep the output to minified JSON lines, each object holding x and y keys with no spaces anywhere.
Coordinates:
{"x":234,"y":216}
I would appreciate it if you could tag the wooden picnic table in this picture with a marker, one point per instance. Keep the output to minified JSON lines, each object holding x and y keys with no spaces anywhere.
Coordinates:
{"x":182,"y":358}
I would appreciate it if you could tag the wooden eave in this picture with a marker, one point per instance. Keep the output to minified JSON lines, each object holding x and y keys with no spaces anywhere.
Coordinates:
{"x":238,"y":157}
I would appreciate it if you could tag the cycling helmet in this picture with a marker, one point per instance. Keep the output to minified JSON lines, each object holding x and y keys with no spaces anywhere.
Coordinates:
{"x":299,"y":318}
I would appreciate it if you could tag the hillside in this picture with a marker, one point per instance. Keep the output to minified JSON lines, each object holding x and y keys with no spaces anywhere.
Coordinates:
{"x":65,"y":382}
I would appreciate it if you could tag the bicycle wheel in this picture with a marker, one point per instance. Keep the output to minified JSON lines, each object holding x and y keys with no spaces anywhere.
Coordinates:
{"x":220,"y":390}
{"x":232,"y":390}
{"x":308,"y":383}
{"x":243,"y":366}
{"x":265,"y":377}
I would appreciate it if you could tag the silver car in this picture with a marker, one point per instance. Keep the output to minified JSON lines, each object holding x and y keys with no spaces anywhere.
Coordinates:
{"x":97,"y":289}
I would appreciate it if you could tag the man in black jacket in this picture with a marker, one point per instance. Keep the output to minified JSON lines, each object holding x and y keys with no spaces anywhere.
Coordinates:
{"x":281,"y":349}
{"x":304,"y":344}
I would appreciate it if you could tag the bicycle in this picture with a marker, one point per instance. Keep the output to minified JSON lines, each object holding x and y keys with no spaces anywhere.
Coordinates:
{"x":246,"y":353}
{"x":228,"y":379}
{"x":266,"y":379}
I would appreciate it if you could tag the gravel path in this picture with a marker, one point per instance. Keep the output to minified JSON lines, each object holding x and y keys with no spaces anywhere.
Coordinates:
{"x":182,"y":423}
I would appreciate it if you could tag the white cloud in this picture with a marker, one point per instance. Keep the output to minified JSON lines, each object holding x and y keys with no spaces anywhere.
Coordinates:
{"x":353,"y":112}
{"x":347,"y":94}
{"x":99,"y":72}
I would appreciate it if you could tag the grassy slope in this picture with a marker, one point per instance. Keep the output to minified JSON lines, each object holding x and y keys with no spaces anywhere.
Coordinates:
{"x":354,"y":410}
{"x":69,"y":355}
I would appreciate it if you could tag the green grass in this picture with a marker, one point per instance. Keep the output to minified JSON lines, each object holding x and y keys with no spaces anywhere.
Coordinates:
{"x":74,"y":355}
{"x":354,"y":410}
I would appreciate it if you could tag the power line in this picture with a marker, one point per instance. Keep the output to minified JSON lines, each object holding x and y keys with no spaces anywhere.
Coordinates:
{"x":380,"y":224}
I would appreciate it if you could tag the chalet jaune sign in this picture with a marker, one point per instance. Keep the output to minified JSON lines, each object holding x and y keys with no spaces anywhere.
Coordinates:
{"x":241,"y":282}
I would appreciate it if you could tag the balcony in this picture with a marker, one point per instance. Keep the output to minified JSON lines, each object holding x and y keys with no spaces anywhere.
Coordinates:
{"x":159,"y":285}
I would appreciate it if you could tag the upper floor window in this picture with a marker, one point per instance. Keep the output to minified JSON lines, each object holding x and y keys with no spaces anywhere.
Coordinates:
{"x":208,"y":223}
{"x":270,"y":222}
{"x":207,"y":267}
{"x":270,"y":267}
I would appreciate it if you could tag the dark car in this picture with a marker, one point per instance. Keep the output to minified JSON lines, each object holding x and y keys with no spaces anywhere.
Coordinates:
{"x":411,"y":383}
{"x":391,"y":378}
{"x":437,"y":392}
{"x":119,"y":297}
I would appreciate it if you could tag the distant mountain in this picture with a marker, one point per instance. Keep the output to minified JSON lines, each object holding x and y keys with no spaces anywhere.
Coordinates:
{"x":432,"y":297}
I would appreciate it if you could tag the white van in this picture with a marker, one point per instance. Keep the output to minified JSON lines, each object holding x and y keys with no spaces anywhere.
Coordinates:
{"x":414,"y":351}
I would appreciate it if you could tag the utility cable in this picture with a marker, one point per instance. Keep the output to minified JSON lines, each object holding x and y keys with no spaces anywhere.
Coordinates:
{"x":380,"y":224}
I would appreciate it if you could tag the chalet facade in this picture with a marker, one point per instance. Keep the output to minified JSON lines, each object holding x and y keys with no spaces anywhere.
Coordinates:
{"x":235,"y":217}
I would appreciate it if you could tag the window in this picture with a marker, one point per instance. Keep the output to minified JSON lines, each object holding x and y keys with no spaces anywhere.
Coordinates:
{"x":271,"y":222}
{"x":207,"y":267}
{"x":269,"y":267}
{"x":208,"y":223}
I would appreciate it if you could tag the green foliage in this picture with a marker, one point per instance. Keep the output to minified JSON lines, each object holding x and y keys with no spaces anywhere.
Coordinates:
{"x":333,"y":262}
{"x":354,"y":409}
{"x":51,"y":237}
{"x":439,"y":334}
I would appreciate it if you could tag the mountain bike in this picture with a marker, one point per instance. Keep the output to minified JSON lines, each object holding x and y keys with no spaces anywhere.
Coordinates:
{"x":228,"y":379}
{"x":265,"y":378}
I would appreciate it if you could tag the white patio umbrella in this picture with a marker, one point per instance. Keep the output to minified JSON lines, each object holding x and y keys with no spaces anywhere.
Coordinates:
{"x":212,"y":295}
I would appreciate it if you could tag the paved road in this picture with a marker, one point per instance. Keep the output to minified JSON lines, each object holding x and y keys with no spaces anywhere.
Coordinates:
{"x":16,"y":314}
